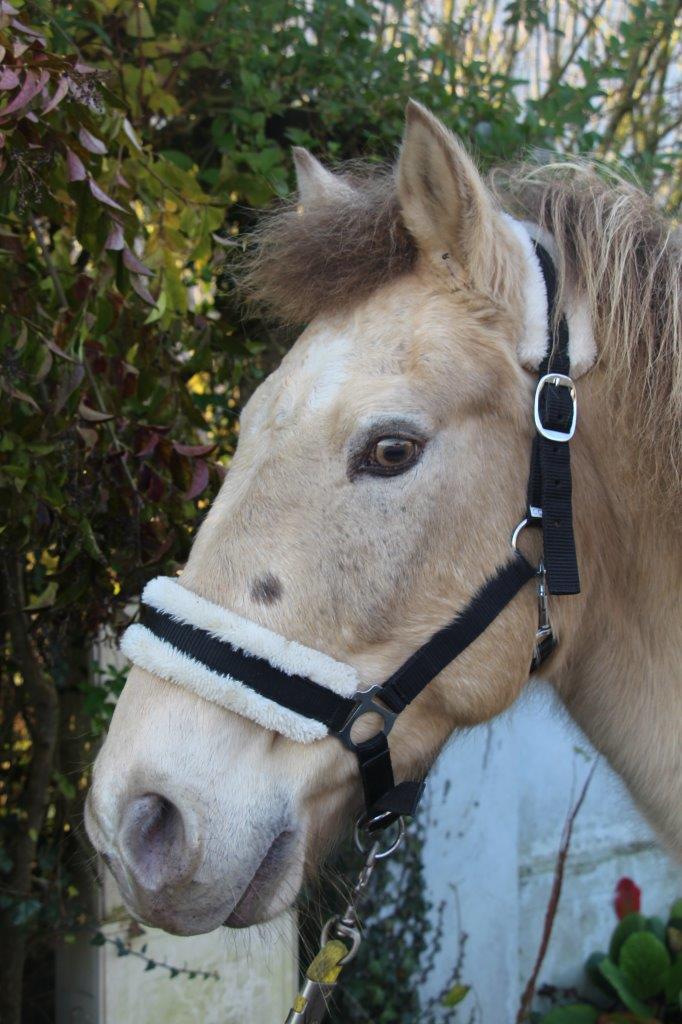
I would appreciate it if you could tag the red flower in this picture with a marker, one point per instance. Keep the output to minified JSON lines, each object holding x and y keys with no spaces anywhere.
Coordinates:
{"x":628,"y":897}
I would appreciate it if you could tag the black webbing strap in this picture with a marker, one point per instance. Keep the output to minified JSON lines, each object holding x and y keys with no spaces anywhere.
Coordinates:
{"x":401,"y":800}
{"x":384,"y":801}
{"x":448,"y":643}
{"x":376,"y":770}
{"x":549,"y":485}
{"x":297,"y":693}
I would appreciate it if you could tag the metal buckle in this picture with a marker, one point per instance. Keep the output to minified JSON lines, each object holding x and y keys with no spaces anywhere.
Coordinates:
{"x":559,"y":380}
{"x":366,"y":704}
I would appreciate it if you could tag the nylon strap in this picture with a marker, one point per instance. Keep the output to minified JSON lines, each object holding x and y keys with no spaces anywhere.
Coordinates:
{"x":448,"y":643}
{"x":550,"y":484}
{"x":376,"y":770}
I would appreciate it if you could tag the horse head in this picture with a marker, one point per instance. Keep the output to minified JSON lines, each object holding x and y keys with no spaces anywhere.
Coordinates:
{"x":378,"y":474}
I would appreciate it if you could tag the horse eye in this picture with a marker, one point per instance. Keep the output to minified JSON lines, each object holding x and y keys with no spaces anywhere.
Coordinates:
{"x":391,"y":455}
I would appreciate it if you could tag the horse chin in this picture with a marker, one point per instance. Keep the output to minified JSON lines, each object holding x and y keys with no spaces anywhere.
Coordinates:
{"x":274,"y":886}
{"x":207,"y":899}
{"x":272,"y":890}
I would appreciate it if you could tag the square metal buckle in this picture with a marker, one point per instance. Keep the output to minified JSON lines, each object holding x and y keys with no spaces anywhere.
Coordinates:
{"x":559,"y":380}
{"x":366,"y":704}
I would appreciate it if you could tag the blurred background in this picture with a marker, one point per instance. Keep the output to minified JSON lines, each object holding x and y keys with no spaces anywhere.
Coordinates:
{"x":138,"y":141}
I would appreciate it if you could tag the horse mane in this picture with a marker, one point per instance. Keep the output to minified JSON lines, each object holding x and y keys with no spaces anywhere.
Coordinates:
{"x":617,"y":246}
{"x":613,"y":243}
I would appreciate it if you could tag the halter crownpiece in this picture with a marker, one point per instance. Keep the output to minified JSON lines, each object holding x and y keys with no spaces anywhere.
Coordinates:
{"x":306,"y":695}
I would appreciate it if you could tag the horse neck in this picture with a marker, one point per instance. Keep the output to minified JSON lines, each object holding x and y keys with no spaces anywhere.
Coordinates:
{"x":618,"y":667}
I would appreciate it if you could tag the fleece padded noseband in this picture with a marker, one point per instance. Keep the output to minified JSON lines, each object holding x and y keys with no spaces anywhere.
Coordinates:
{"x":306,"y":695}
{"x":218,"y":655}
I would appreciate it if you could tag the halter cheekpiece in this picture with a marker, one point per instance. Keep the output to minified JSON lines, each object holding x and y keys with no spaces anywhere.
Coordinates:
{"x":307,"y":695}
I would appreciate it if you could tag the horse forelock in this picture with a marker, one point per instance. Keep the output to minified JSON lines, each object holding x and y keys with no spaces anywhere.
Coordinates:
{"x":302,"y":263}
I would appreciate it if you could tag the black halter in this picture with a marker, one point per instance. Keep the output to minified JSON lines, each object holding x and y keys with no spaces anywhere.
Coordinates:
{"x":549,"y":507}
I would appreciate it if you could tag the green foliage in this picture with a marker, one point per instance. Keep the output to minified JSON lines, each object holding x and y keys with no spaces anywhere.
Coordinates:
{"x":615,"y":978}
{"x":578,"y":1013}
{"x":644,"y":963}
{"x":641,"y":977}
{"x":455,"y":995}
{"x":634,"y":922}
{"x":125,"y":949}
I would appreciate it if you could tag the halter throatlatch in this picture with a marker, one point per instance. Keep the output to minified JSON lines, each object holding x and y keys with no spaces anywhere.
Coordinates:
{"x":307,"y":695}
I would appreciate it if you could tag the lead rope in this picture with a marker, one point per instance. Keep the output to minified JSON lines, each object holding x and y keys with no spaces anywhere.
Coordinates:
{"x":340,"y":938}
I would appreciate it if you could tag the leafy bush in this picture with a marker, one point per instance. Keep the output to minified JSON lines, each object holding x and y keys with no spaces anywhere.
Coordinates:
{"x":135,"y":140}
{"x":640,"y":977}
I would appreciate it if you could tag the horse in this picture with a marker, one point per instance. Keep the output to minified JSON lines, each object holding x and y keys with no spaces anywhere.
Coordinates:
{"x":379,"y":471}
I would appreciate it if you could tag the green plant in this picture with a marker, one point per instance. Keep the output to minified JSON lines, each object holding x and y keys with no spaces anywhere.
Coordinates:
{"x":640,"y":978}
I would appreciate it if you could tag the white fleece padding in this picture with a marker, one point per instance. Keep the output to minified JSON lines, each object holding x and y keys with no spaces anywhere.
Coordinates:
{"x":167,"y":594}
{"x":147,"y":651}
{"x":534,"y":342}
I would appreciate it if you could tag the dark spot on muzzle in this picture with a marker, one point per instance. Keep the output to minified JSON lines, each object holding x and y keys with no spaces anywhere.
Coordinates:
{"x":266,"y":589}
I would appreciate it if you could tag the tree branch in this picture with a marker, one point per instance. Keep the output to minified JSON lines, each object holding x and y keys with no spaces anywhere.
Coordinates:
{"x":40,"y":709}
{"x":554,"y":897}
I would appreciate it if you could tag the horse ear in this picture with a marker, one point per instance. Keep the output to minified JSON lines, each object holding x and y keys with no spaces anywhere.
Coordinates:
{"x":315,"y":183}
{"x":445,"y":203}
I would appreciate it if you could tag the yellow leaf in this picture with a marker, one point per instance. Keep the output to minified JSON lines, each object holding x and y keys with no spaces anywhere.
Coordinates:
{"x":456,"y":994}
{"x":139,"y":24}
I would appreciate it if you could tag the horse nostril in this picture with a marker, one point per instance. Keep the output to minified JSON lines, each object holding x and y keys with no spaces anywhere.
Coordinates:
{"x":154,"y":842}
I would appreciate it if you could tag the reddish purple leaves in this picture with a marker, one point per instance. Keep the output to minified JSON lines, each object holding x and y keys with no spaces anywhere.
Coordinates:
{"x":193,"y":450}
{"x":102,"y":197}
{"x":131,"y":261}
{"x":33,"y":83}
{"x":115,"y":240}
{"x":199,"y":480}
{"x":75,"y":168}
{"x":91,"y":142}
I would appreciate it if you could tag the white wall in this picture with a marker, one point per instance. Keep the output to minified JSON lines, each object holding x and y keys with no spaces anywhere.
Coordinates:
{"x":497,"y":803}
{"x":256,"y":968}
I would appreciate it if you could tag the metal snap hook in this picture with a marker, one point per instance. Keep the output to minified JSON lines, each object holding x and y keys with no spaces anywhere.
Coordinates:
{"x":342,"y":930}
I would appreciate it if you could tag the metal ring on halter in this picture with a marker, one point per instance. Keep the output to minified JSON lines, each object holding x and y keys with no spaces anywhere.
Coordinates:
{"x":516,"y":533}
{"x":514,"y":540}
{"x":381,"y":854}
{"x":343,"y":931}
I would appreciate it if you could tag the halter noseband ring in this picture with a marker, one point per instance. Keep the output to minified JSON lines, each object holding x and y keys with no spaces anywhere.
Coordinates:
{"x":306,"y":695}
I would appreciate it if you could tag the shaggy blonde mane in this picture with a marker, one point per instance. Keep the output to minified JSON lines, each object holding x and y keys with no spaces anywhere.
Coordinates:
{"x":618,"y":247}
{"x":613,"y":242}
